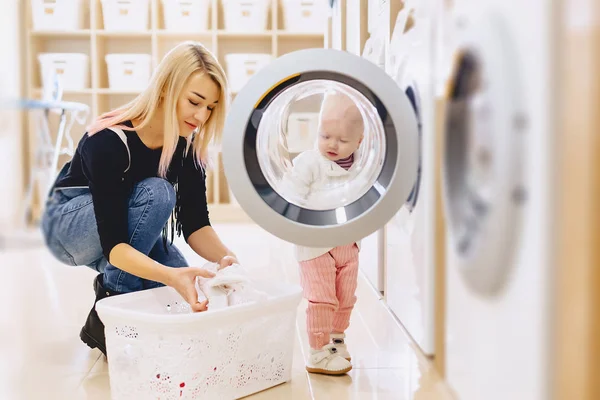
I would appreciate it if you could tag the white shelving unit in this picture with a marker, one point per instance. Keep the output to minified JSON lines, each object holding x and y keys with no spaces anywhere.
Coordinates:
{"x":96,"y":42}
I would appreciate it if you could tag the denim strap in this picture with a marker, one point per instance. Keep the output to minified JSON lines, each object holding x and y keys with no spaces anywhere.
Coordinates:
{"x":123,"y":138}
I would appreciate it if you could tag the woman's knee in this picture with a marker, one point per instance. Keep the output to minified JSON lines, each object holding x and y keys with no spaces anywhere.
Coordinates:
{"x":60,"y":253}
{"x":54,"y":233}
{"x":157,"y":193}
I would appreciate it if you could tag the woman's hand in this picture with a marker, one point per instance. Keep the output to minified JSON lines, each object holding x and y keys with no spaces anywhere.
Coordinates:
{"x":183,"y":280}
{"x":206,"y":243}
{"x":227,"y":261}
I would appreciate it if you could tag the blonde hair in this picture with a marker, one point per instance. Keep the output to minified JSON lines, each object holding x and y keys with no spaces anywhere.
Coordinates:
{"x":168,"y":80}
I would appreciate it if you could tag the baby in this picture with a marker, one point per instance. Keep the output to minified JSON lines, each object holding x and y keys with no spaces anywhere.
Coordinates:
{"x":330,"y":164}
{"x":328,"y":275}
{"x":341,"y":129}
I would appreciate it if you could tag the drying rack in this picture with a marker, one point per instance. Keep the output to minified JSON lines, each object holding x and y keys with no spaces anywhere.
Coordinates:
{"x":47,"y":152}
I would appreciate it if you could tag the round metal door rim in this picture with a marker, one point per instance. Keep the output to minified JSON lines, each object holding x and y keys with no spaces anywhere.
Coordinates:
{"x":413,"y":198}
{"x":486,"y":265}
{"x":304,"y":215}
{"x":408,"y":82}
{"x":326,"y":62}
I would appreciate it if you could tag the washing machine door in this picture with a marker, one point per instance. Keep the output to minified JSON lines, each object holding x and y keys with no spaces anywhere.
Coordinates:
{"x":410,"y":71}
{"x":361,"y":158}
{"x":485,"y":135}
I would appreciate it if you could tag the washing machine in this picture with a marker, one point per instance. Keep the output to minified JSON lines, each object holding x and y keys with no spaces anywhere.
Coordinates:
{"x":410,"y":245}
{"x":257,"y":161}
{"x":497,"y":197}
{"x":372,"y":254}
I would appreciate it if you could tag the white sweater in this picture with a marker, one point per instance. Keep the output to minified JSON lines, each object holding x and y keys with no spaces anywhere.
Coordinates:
{"x":310,"y":175}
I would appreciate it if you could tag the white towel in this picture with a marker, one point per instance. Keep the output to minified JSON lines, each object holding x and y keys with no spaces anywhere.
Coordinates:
{"x":229,"y":287}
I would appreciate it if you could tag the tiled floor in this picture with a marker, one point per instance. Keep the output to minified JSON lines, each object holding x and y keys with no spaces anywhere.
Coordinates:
{"x":43,"y":305}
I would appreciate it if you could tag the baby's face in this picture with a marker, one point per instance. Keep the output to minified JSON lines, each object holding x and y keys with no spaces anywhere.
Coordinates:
{"x":337,"y":140}
{"x":340,"y":128}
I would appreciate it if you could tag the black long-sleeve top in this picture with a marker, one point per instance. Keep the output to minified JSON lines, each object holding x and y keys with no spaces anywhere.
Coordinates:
{"x":99,"y":163}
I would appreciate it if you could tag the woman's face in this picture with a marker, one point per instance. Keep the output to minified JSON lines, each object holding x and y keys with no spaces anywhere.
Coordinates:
{"x":198,"y":98}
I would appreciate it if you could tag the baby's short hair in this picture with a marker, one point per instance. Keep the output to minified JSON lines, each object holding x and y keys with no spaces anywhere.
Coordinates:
{"x":339,"y":106}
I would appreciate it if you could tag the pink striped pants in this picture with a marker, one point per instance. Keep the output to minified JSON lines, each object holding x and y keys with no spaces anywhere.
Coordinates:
{"x":329,"y":283}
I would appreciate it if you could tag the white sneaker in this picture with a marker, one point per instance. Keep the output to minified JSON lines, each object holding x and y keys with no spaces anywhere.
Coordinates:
{"x":327,"y":361}
{"x":337,"y":339}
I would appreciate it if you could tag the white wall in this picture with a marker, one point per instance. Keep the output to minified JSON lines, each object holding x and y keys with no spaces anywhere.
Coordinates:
{"x":11,"y":151}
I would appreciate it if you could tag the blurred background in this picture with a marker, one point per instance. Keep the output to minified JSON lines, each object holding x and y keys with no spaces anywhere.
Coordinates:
{"x":489,"y":272}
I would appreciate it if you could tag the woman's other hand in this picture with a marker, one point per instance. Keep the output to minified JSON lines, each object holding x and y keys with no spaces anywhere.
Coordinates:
{"x":183,"y":280}
{"x":227,"y":261}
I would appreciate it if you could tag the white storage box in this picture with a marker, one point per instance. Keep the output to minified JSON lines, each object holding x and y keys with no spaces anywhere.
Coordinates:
{"x":246,"y":15}
{"x":186,"y":15}
{"x":125,"y":15}
{"x":302,"y":131}
{"x":57,"y":15}
{"x":72,"y":70}
{"x":241,"y":67}
{"x":305,"y":15}
{"x":157,"y":348}
{"x":128,"y":71}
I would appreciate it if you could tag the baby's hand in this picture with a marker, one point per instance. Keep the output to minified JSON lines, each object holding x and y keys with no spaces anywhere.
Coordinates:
{"x":298,"y":180}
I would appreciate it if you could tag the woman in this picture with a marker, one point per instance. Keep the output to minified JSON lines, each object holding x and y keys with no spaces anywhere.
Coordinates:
{"x":137,"y":176}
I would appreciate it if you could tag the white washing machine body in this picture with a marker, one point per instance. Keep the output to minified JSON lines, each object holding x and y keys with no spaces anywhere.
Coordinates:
{"x":410,"y":267}
{"x":497,"y":181}
{"x":372,"y":247}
